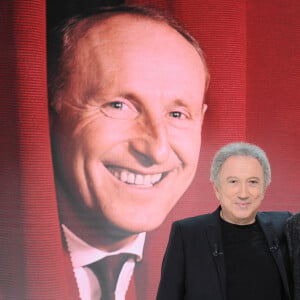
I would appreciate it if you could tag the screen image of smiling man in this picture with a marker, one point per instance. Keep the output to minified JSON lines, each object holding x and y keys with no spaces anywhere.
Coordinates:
{"x":126,"y":116}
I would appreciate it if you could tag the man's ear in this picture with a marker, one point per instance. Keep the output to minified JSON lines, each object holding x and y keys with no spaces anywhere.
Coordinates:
{"x":204,"y":109}
{"x":216,"y":190}
{"x":264,"y":191}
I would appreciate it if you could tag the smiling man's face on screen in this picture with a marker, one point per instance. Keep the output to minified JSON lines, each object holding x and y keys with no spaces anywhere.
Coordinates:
{"x":128,"y":129}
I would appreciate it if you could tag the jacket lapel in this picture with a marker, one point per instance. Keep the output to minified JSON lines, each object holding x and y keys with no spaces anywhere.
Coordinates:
{"x":213,"y":233}
{"x":274,"y":246}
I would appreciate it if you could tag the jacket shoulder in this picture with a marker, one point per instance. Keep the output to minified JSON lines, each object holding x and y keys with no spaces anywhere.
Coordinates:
{"x":277,"y":218}
{"x":194,"y":222}
{"x":294,"y":220}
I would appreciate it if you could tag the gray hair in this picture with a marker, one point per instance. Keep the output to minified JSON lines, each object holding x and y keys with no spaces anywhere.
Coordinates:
{"x":240,"y":149}
{"x":62,"y":41}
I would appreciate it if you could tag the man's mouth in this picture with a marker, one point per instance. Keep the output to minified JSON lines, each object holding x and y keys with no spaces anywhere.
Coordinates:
{"x":243,"y":204}
{"x":137,"y":179}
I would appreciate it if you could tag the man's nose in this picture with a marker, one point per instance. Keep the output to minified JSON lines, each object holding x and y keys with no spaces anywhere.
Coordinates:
{"x":243,"y":192}
{"x":151,"y":146}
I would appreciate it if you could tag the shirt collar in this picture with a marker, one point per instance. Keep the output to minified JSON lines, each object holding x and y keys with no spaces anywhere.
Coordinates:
{"x":83,"y":254}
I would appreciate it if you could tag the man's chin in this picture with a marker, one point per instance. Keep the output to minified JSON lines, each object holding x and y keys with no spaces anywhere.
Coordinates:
{"x":135,"y":227}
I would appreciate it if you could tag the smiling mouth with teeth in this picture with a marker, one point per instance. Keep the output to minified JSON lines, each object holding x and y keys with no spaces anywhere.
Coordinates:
{"x":132,"y":178}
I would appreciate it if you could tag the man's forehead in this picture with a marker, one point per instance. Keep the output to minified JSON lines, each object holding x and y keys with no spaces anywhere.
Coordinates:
{"x":123,"y":27}
{"x":126,"y":46}
{"x":134,"y":34}
{"x":121,"y":38}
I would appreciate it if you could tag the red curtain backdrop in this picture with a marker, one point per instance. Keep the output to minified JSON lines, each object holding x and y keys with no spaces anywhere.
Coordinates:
{"x":31,"y":257}
{"x":253,"y":53}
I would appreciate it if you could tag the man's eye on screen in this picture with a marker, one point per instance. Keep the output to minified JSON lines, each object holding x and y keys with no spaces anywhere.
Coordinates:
{"x":179,"y":118}
{"x":177,"y":114}
{"x":123,"y":110}
{"x":116,"y":105}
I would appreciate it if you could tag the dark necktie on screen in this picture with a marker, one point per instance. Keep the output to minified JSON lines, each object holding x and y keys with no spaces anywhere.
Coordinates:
{"x":107,"y":270}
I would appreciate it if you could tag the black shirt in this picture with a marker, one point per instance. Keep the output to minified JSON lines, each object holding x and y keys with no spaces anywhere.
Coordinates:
{"x":251,"y":271}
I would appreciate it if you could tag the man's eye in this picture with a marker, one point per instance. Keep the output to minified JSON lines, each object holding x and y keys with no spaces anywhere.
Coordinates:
{"x":232,"y":181}
{"x":116,"y":105}
{"x":179,"y":117}
{"x":177,"y":114}
{"x":119,"y":109}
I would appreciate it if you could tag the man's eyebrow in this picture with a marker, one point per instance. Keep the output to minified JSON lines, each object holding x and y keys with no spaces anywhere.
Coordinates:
{"x":131,"y":96}
{"x":194,"y":107}
{"x":249,"y":178}
{"x":254,"y":177}
{"x":231,"y":177}
{"x":180,"y":102}
{"x":89,"y":92}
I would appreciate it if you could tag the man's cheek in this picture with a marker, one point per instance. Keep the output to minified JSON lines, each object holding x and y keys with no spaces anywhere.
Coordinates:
{"x":189,"y":150}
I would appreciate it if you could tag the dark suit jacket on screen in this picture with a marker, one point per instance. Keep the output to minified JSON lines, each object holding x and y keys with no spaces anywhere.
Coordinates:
{"x":193,"y":266}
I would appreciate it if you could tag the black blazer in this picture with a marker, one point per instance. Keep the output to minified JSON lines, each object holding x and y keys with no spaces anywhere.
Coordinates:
{"x":193,"y":265}
{"x":293,"y":237}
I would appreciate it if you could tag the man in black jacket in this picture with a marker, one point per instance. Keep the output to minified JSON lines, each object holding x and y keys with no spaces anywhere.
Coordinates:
{"x":236,"y":252}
